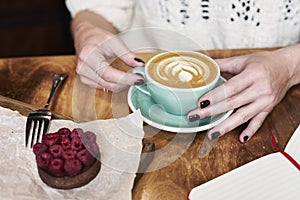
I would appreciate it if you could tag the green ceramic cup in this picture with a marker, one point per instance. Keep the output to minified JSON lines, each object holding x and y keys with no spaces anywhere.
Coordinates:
{"x":176,"y":80}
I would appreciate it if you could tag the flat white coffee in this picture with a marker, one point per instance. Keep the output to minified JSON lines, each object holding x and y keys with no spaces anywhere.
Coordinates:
{"x":183,"y":69}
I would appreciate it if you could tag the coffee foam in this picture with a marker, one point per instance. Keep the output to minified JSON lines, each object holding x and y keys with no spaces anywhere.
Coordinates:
{"x":182,"y":70}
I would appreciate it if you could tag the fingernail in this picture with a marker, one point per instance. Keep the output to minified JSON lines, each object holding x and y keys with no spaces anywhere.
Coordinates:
{"x":139,"y":60}
{"x":193,"y":118}
{"x":204,"y":103}
{"x":139,"y":82}
{"x":215,"y":135}
{"x":245,"y":138}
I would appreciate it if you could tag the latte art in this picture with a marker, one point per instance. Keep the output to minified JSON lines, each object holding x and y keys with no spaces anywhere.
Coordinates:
{"x":182,"y":71}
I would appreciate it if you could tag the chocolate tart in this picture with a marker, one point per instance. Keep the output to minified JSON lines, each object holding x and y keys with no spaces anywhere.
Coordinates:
{"x":67,"y":182}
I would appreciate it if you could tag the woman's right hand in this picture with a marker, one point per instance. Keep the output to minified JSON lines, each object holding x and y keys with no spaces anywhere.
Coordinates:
{"x":94,"y":47}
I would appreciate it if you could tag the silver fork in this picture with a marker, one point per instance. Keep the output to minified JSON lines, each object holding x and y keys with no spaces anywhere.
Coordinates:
{"x":38,"y":121}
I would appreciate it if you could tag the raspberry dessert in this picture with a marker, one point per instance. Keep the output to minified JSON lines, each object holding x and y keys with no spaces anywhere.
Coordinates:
{"x":68,"y":159}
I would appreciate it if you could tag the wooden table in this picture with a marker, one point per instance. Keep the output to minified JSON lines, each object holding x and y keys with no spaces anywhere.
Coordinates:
{"x":29,"y":80}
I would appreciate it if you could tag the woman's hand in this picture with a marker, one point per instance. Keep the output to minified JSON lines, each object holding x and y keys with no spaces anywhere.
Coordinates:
{"x":94,"y":47}
{"x":262,"y":79}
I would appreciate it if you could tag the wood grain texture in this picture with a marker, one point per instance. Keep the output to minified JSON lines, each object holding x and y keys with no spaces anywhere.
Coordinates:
{"x":176,"y":167}
{"x":24,"y":108}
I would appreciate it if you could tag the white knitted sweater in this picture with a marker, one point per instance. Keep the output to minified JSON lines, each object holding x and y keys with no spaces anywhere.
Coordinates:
{"x":212,"y":24}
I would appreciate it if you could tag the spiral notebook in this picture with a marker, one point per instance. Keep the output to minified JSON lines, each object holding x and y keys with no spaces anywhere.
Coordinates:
{"x":275,"y":176}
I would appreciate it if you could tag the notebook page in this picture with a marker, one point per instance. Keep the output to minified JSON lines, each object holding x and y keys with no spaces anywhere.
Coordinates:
{"x":270,"y":177}
{"x":293,"y":146}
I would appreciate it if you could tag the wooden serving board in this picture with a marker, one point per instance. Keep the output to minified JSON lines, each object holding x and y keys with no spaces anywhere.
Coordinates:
{"x":24,"y":108}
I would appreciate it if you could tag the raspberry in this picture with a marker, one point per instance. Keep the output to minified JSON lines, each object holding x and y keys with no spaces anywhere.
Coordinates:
{"x":65,"y":143}
{"x":69,"y":154}
{"x":64,"y":133}
{"x":85,"y":157}
{"x":72,"y":166}
{"x":88,"y":137}
{"x":56,"y":165}
{"x":76,"y":132}
{"x":93,"y":149}
{"x":39,"y":147}
{"x":76,"y":144}
{"x":64,"y":152}
{"x":51,"y":139}
{"x":56,"y":151}
{"x":43,"y":159}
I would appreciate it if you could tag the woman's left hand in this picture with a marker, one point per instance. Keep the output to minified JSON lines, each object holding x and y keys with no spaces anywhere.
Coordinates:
{"x":261,"y":81}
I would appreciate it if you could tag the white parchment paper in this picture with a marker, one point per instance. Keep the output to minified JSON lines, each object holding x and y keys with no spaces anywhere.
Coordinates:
{"x":120,"y":142}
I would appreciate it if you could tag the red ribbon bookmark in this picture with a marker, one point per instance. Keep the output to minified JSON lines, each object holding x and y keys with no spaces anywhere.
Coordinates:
{"x":285,"y":154}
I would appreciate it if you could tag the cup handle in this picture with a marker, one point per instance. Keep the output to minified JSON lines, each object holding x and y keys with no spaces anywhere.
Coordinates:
{"x":142,"y":88}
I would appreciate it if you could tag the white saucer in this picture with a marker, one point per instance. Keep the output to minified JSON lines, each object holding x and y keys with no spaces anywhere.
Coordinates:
{"x":154,"y":115}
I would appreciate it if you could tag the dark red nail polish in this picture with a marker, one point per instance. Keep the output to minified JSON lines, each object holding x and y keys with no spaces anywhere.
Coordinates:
{"x":139,"y":60}
{"x":139,"y":82}
{"x":204,"y":104}
{"x":215,"y":135}
{"x":245,"y":138}
{"x":193,"y":118}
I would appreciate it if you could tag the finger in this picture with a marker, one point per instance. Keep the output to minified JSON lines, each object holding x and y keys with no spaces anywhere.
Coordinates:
{"x":243,"y":98}
{"x":110,"y":74}
{"x":241,"y":116}
{"x":90,"y":77}
{"x":102,"y":84}
{"x":132,"y":60}
{"x":120,"y":50}
{"x":97,"y":62}
{"x":232,"y":87}
{"x":253,"y":126}
{"x":85,"y":70}
{"x":207,"y":145}
{"x":92,"y":59}
{"x":94,"y":68}
{"x":233,"y":65}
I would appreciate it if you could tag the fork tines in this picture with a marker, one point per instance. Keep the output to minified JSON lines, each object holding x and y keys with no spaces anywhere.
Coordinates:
{"x":36,"y":126}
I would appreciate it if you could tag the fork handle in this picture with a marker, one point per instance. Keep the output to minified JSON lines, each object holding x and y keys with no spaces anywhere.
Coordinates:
{"x":57,"y":79}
